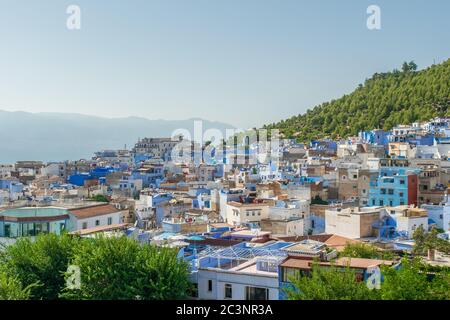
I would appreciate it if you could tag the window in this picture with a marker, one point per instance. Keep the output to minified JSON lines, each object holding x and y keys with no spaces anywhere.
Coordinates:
{"x":109,"y":220}
{"x":209,"y":285}
{"x":228,"y":291}
{"x":402,"y":181}
{"x":381,"y":203}
{"x":288,"y":274}
{"x":255,"y":293}
{"x":97,"y":222}
{"x":7,"y":230}
{"x":390,"y":191}
{"x":84,"y":225}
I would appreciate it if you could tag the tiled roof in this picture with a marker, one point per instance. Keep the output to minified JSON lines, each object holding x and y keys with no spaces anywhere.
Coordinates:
{"x":297,"y":263}
{"x":331,"y":240}
{"x":361,"y":263}
{"x":357,"y":263}
{"x":93,"y":211}
{"x":35,"y":218}
{"x":111,"y":227}
{"x":339,"y":242}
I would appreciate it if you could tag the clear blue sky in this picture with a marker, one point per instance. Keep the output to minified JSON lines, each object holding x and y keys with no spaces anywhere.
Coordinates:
{"x":245,"y":62}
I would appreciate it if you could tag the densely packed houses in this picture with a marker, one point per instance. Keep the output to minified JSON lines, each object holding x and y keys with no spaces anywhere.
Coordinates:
{"x":243,"y":228}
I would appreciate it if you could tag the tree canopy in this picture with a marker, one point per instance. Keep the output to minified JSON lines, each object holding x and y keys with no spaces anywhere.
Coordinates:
{"x":383,"y":101}
{"x":362,"y":250}
{"x":331,"y":283}
{"x":109,"y":268}
{"x":412,"y":280}
{"x":429,"y":241}
{"x":12,"y":289}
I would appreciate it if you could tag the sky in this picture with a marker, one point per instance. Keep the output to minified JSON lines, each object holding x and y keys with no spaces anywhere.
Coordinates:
{"x":243,"y":62}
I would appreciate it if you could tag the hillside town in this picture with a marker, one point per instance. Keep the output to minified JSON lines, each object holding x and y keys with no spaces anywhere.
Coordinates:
{"x":242,"y":227}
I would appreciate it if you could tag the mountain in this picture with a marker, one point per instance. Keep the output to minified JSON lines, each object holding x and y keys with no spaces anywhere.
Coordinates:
{"x":65,"y":136}
{"x":383,"y":101}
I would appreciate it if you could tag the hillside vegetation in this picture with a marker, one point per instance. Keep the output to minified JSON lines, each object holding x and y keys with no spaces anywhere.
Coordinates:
{"x":383,"y":101}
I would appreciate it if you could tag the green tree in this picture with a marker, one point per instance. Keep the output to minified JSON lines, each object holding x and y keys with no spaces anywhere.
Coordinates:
{"x":329,"y":283}
{"x":383,"y":101}
{"x":121,"y":268}
{"x":11,"y":288}
{"x":412,"y":66}
{"x":405,"y":67}
{"x":318,"y":200}
{"x":362,"y":250}
{"x":100,"y":198}
{"x":412,"y":282}
{"x":39,"y":263}
{"x":429,"y":241}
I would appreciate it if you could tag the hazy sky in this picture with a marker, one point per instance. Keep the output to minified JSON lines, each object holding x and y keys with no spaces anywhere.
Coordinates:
{"x":245,"y":62}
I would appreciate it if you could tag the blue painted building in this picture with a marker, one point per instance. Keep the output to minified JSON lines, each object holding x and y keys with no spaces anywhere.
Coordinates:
{"x":13,"y":186}
{"x":78,"y":179}
{"x":394,"y":186}
{"x":377,"y":136}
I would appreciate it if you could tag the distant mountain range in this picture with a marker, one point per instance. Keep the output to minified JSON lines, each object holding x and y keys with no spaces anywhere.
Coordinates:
{"x":67,"y":136}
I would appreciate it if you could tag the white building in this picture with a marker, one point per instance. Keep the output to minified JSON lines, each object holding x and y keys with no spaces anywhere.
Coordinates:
{"x":226,"y":196}
{"x":297,"y":212}
{"x":256,"y":279}
{"x":440,"y":214}
{"x":239,"y":213}
{"x":5,"y":170}
{"x":95,"y":216}
{"x":54,"y":169}
{"x":156,"y":147}
{"x":299,"y":192}
{"x":408,"y":219}
{"x":353,"y":223}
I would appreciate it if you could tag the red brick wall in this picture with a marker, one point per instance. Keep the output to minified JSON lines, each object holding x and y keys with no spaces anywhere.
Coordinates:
{"x":412,"y":189}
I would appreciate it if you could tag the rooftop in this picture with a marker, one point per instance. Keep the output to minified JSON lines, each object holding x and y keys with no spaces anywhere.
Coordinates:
{"x":93,"y":211}
{"x":112,"y":227}
{"x":357,"y":263}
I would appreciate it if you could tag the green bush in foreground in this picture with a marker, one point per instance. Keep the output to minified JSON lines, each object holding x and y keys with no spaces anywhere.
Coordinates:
{"x":110,"y":268}
{"x":11,"y":288}
{"x":412,"y":281}
{"x":121,"y":268}
{"x":40,"y":263}
{"x":367,"y":251}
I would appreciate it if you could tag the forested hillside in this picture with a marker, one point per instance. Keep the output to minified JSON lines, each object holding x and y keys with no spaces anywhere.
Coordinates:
{"x":383,"y":101}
